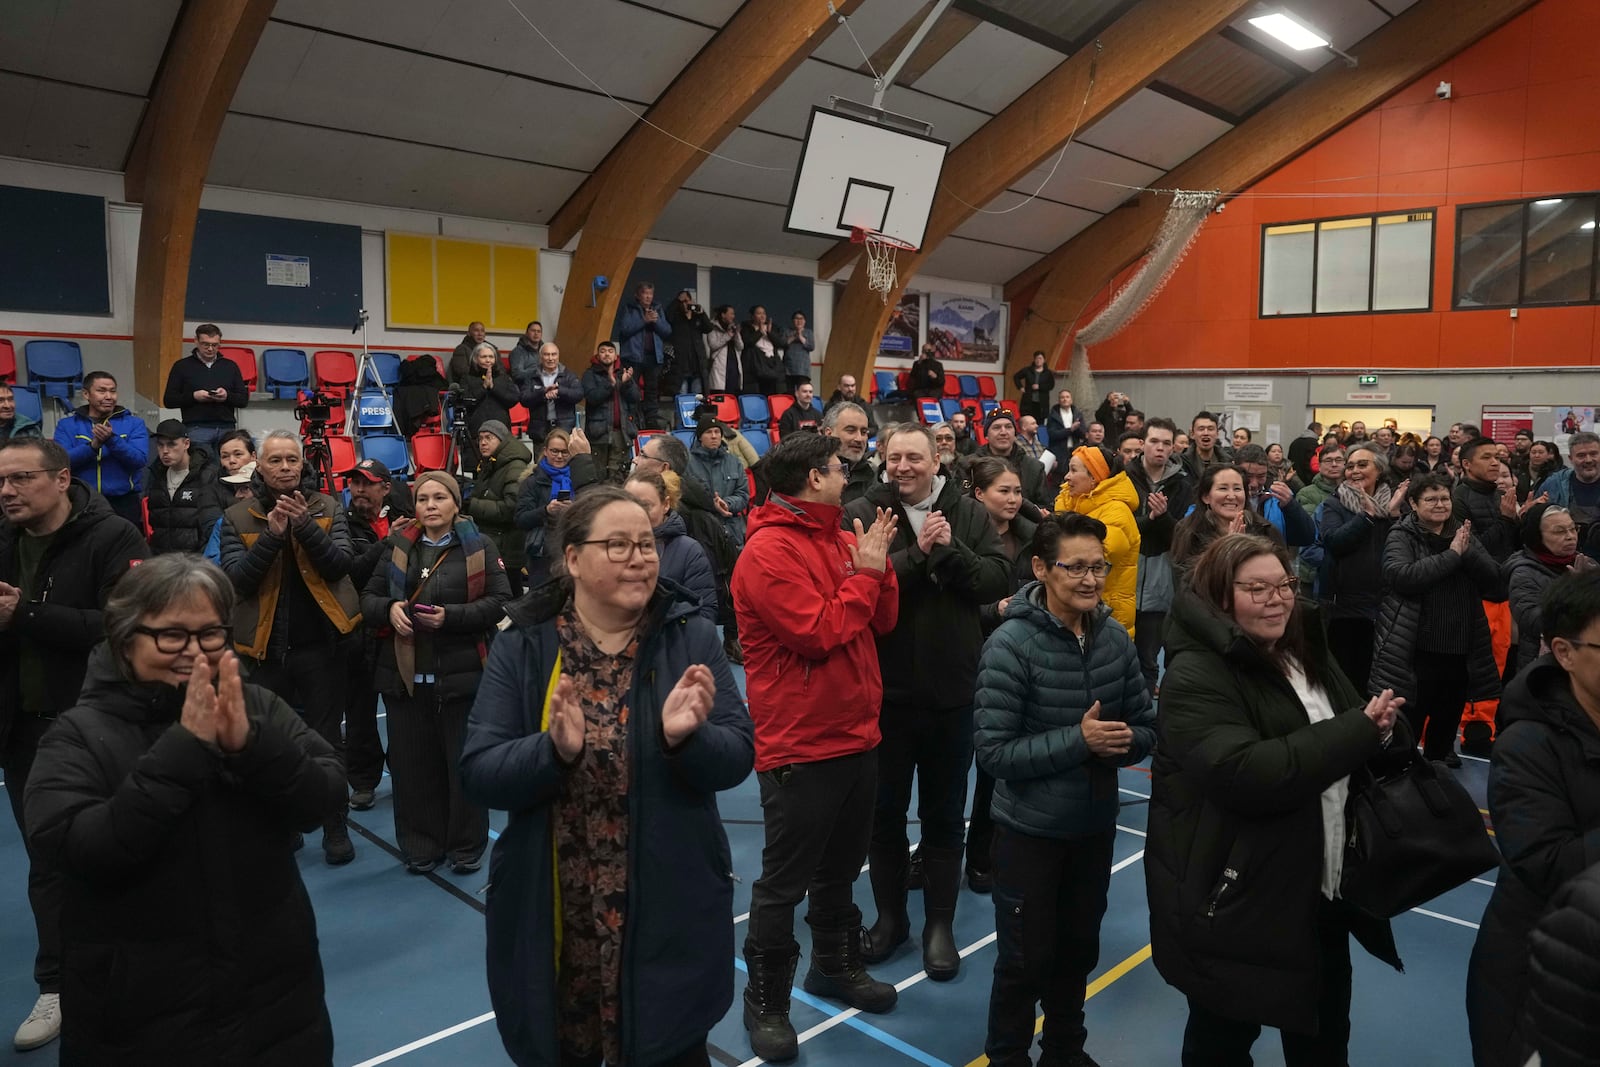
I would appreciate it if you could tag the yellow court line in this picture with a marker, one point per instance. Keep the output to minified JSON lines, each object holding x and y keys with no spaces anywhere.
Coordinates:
{"x":1097,"y":986}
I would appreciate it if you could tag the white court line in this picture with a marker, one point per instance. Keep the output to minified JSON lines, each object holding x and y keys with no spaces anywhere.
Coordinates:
{"x":423,"y":1042}
{"x":1131,"y":830}
{"x":1133,"y":792}
{"x":1475,"y":759}
{"x":1129,"y":862}
{"x":1445,"y":918}
{"x":1481,"y":881}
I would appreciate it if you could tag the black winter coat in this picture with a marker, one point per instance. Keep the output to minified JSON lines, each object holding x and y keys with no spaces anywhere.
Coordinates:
{"x":493,"y":503}
{"x":1480,"y":502}
{"x":494,"y":401}
{"x":1544,"y":800}
{"x":182,"y":522}
{"x":930,"y":660}
{"x":533,"y":500}
{"x":1233,"y":863}
{"x":1415,"y":560}
{"x":677,"y":981}
{"x":1354,"y":545}
{"x":602,"y":411}
{"x":89,"y":553}
{"x":1563,"y":1007}
{"x":761,"y":373}
{"x":188,"y":937}
{"x":1526,"y":578}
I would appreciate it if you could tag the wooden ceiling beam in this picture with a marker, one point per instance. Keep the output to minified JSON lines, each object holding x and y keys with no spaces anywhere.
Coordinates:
{"x":619,"y":202}
{"x":1066,"y":281}
{"x":1133,"y":51}
{"x":210,"y":47}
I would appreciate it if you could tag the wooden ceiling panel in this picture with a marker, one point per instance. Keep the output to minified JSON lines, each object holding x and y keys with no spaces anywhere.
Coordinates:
{"x":69,"y":124}
{"x":1156,"y":130}
{"x":88,"y":42}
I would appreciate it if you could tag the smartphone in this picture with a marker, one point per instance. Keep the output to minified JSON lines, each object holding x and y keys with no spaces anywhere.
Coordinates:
{"x":564,"y":495}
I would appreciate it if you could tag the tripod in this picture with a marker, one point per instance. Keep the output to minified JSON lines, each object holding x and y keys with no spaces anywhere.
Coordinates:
{"x":365,"y":366}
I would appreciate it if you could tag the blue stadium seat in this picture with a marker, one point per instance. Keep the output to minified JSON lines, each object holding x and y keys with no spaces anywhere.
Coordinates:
{"x":684,"y":404}
{"x":969,"y":384}
{"x":753,"y":410}
{"x":1044,"y":435}
{"x":816,"y":402}
{"x":374,"y":413}
{"x":988,"y":406}
{"x":948,"y":407}
{"x":882,"y":384}
{"x":759,"y":439}
{"x":386,"y":365}
{"x":28,"y":402}
{"x":686,"y":436}
{"x":55,"y":368}
{"x":388,"y":449}
{"x":285,"y":372}
{"x":928,"y":411}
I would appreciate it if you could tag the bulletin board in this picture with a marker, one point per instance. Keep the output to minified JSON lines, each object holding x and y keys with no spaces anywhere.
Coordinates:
{"x":781,"y":294}
{"x":669,"y":276}
{"x":55,"y":257}
{"x":436,"y":282}
{"x":258,"y":268}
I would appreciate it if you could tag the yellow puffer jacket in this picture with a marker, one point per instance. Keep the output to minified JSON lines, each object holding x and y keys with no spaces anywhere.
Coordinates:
{"x":1113,"y":502}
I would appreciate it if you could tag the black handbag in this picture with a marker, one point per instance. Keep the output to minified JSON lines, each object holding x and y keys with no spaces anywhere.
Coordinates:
{"x":1410,"y":836}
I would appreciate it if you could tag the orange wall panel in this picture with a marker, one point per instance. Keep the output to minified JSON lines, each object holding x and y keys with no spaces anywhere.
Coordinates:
{"x":1553,"y":337}
{"x":1405,"y":340}
{"x":1562,"y":40}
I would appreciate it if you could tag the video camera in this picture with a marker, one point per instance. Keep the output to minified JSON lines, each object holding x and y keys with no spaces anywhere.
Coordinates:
{"x":314,"y":410}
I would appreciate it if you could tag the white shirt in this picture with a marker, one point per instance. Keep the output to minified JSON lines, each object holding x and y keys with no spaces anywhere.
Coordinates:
{"x":1319,"y":709}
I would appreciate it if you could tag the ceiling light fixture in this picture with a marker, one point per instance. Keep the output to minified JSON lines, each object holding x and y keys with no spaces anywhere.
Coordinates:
{"x":1284,"y":27}
{"x":1588,"y":225}
{"x":1549,"y":202}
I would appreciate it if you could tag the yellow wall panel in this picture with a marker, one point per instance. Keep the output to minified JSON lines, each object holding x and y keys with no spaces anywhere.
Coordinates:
{"x":410,"y":292}
{"x":463,"y":281}
{"x":516,"y":288}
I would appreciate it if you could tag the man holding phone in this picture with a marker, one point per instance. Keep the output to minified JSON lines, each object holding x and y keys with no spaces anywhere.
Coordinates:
{"x":206,"y":389}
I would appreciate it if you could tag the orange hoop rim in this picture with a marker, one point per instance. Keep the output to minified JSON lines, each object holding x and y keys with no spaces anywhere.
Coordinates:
{"x":860,"y":235}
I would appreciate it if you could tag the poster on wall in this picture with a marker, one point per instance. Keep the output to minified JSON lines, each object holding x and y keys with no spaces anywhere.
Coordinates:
{"x":1501,"y":426}
{"x":1567,"y":421}
{"x":965,"y":329}
{"x":905,"y":322}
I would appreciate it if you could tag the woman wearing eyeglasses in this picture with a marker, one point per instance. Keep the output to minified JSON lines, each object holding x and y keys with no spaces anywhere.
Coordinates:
{"x":435,"y":598}
{"x":1353,"y":526}
{"x":1061,"y":704}
{"x":607,"y":721}
{"x":565,"y":466}
{"x":1433,"y":645}
{"x":1260,"y":731}
{"x":169,"y":800}
{"x":1549,"y":550}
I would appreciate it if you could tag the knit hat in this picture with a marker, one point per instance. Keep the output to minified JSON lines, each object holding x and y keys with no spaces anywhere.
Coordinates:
{"x":999,"y":415}
{"x":449,"y":483}
{"x":1094,"y":460}
{"x":496,"y":427}
{"x":704,"y":420}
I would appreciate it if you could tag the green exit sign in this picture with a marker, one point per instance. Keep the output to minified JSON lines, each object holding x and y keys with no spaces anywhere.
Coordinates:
{"x":1368,"y":381}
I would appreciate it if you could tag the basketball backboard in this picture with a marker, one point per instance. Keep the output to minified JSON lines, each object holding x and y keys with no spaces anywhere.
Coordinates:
{"x":858,"y":173}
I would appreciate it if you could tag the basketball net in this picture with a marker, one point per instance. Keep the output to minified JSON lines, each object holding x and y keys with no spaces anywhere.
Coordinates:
{"x":1179,"y":228}
{"x":881,"y":269}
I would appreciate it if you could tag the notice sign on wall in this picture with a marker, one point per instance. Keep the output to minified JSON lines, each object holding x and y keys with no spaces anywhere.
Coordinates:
{"x":293,"y":271}
{"x":1247,"y":391}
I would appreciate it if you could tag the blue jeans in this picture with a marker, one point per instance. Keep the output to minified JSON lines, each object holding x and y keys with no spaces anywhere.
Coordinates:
{"x":207,"y":435}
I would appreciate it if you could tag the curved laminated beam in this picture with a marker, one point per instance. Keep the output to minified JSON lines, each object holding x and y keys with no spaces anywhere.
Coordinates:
{"x":210,"y":47}
{"x":616,"y":206}
{"x":1133,"y":50}
{"x":1394,"y":56}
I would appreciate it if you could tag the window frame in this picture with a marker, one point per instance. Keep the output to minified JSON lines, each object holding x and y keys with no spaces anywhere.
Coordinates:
{"x":1526,"y":203}
{"x":1372,"y":264}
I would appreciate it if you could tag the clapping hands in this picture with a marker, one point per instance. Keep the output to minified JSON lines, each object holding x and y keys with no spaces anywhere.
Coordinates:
{"x":871,"y":550}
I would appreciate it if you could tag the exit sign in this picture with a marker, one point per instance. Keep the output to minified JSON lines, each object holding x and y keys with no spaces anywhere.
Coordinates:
{"x":1368,"y":381}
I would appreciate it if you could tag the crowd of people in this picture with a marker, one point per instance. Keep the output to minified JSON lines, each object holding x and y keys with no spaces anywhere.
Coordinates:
{"x":194,"y":638}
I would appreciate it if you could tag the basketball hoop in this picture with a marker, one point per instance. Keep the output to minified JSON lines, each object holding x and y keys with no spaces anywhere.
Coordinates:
{"x":881,"y":249}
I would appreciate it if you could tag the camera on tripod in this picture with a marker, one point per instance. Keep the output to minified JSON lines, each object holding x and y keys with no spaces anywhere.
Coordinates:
{"x":314,"y":411}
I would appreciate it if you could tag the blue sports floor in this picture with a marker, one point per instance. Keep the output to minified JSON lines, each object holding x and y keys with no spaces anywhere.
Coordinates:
{"x":403,"y":957}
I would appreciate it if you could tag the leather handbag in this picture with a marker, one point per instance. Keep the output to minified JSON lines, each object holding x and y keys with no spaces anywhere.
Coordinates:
{"x":1410,"y":836}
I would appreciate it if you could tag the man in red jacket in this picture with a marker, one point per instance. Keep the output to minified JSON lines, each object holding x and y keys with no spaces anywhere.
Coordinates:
{"x":811,"y":600}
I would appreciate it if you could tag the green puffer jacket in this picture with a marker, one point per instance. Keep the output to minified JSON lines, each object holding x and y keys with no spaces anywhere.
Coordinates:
{"x":1035,"y":681}
{"x":493,"y":503}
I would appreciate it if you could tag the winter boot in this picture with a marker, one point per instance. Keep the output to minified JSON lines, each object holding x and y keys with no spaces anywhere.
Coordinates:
{"x":914,"y":872}
{"x":836,"y":969}
{"x":941,"y":882}
{"x":888,"y":876}
{"x":766,"y":1002}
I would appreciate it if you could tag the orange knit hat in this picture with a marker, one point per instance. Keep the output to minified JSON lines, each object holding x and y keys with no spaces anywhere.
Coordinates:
{"x":1093,"y":458}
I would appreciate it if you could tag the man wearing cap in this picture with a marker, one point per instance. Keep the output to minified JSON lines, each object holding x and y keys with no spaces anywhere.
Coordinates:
{"x":550,"y":392}
{"x":288,"y":551}
{"x":183,"y":498}
{"x":502,"y":460}
{"x":802,"y":415}
{"x":1001,"y":430}
{"x":108,"y":446}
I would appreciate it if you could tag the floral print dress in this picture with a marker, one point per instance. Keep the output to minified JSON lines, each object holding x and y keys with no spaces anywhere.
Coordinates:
{"x":592,"y":848}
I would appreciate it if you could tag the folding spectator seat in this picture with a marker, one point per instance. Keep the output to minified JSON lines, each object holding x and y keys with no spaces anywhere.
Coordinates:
{"x":969,"y":384}
{"x":952,"y":386}
{"x":987,"y":389}
{"x":883,"y":384}
{"x":383,"y":367}
{"x":430,"y":451}
{"x":1044,"y":435}
{"x":8,"y":362}
{"x":388,"y":449}
{"x":245,"y":360}
{"x":759,"y":439}
{"x":727,"y":406}
{"x":285,"y":372}
{"x":948,"y":407}
{"x":902,"y":381}
{"x":816,"y":402}
{"x":988,"y":406}
{"x":1011,"y":406}
{"x":343,"y":453}
{"x":644,"y":438}
{"x":519,"y":420}
{"x":28,"y":402}
{"x":777,"y":404}
{"x":55,"y":368}
{"x":336,"y":372}
{"x":683,"y":404}
{"x":686,"y":436}
{"x":438,"y":361}
{"x":753,"y":411}
{"x":928,"y":411}
{"x":374,"y":413}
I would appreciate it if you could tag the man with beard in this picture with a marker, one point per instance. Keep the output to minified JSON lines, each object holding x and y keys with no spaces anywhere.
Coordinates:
{"x":1002,"y":435}
{"x":851,"y":424}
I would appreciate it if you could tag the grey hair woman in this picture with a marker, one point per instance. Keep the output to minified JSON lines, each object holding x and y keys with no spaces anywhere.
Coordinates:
{"x":168,"y":801}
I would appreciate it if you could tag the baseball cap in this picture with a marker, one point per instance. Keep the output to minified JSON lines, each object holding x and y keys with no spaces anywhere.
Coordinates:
{"x":173,"y":428}
{"x":371,"y":470}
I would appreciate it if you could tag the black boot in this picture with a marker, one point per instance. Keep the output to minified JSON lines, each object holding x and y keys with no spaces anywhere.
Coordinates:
{"x":766,"y":1002}
{"x":888,"y":876}
{"x":941,"y":882}
{"x":914,"y":872}
{"x":836,"y":969}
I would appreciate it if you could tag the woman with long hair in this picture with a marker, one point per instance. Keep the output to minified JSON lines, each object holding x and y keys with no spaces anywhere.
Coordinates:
{"x":1544,"y":459}
{"x":1260,"y":732}
{"x":1279,"y":469}
{"x":1432,"y":457}
{"x":682,"y":559}
{"x":1220,"y":508}
{"x":1353,"y":527}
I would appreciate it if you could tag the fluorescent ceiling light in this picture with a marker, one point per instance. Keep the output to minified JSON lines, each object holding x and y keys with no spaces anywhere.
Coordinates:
{"x":1588,"y":225}
{"x":1548,"y":202}
{"x":1291,"y":32}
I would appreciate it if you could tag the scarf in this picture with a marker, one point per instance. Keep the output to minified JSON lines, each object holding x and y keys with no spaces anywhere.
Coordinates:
{"x":918,"y":513}
{"x":560,"y":477}
{"x":1560,"y":563}
{"x":1357,"y":501}
{"x":469,"y":542}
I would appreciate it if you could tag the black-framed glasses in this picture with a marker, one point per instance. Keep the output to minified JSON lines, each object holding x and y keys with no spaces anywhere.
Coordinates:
{"x":620,"y":549}
{"x":1261,"y":592}
{"x":173,"y":639}
{"x":1079,"y":570}
{"x":843,"y":467}
{"x":22,"y":478}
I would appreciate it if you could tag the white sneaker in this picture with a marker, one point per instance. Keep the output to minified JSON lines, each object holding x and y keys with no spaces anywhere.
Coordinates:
{"x":43,"y":1024}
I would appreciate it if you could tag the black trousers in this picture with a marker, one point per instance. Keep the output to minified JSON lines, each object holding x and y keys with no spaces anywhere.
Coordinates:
{"x":1049,"y":898}
{"x":313,"y":679}
{"x":1211,"y":1040}
{"x":1350,"y":640}
{"x":363,"y":744}
{"x":44,"y":881}
{"x":1442,"y":689}
{"x":935,"y":748}
{"x":129,"y":506}
{"x":432,"y":817}
{"x":649,"y":375}
{"x":817,"y":818}
{"x":1149,"y":631}
{"x":980,"y":828}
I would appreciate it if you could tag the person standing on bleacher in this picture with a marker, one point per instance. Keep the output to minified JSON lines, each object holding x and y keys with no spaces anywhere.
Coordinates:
{"x":108,"y":446}
{"x":206,"y":389}
{"x":12,"y":422}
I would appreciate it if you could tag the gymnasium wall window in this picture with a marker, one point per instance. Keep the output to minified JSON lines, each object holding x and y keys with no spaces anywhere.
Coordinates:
{"x":1348,"y":266}
{"x":1528,"y":252}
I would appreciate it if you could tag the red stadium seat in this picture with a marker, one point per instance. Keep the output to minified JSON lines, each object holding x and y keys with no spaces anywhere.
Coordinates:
{"x":245,"y":360}
{"x":986,"y":387}
{"x":952,"y":386}
{"x":519,"y":420}
{"x":430,"y":452}
{"x":8,"y":362}
{"x":727,"y":406}
{"x":777,"y":404}
{"x":335,"y":372}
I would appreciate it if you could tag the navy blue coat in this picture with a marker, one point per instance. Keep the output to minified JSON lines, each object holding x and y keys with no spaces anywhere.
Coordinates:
{"x":677,"y":980}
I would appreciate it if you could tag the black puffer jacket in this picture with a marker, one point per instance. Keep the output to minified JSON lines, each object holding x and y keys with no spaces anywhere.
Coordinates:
{"x":1563,"y":1008}
{"x":1414,"y":561}
{"x":187,"y":934}
{"x":1544,"y":798}
{"x":1526,"y":580}
{"x":1354,"y":543}
{"x":1233,"y":863}
{"x":1480,"y":502}
{"x":930,"y":660}
{"x":182,"y":521}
